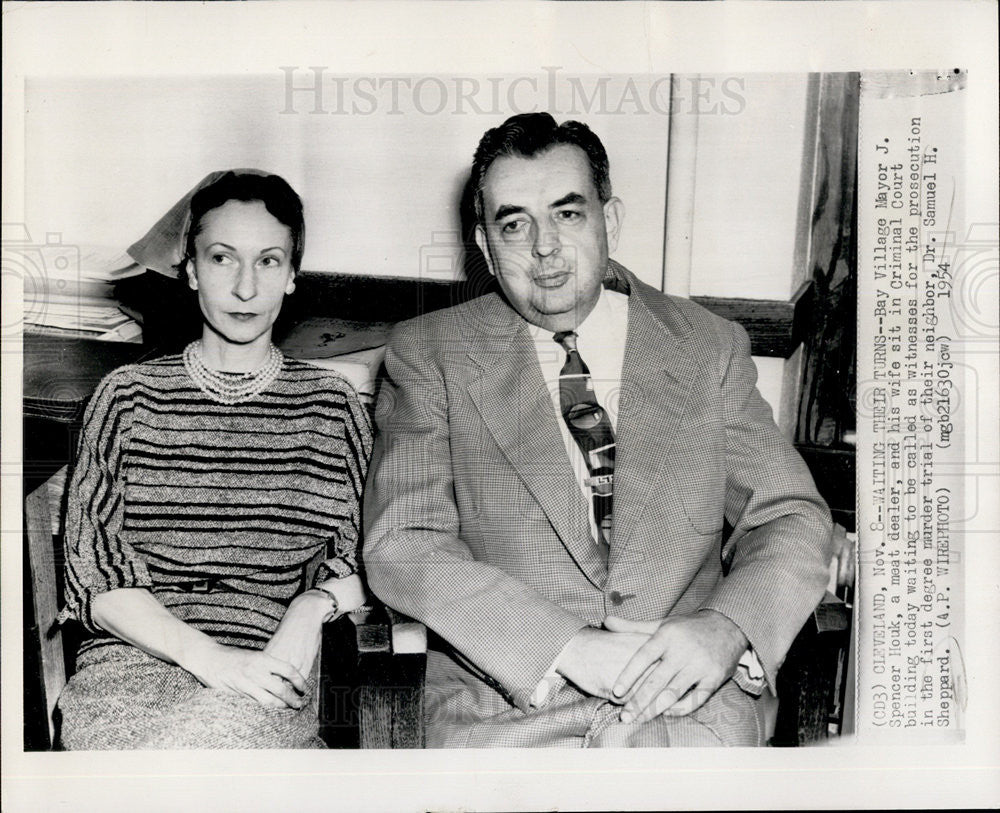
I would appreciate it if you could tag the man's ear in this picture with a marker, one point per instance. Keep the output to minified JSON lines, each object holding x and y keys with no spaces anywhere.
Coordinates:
{"x":484,"y":247}
{"x":614,"y":215}
{"x":191,"y":275}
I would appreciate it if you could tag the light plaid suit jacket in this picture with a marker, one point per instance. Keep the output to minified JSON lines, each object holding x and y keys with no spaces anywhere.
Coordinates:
{"x":476,"y":526}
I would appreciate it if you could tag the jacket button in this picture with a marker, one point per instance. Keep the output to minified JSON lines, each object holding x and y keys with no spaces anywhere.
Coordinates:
{"x":618,"y":599}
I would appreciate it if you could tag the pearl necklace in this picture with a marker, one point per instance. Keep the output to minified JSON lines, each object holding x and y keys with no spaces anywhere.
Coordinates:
{"x":230,"y":388}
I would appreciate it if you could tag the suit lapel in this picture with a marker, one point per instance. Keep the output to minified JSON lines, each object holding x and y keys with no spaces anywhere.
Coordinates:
{"x":515,"y":406}
{"x":657,"y":376}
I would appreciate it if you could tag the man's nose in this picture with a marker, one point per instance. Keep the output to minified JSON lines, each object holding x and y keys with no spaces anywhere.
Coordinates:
{"x":245,"y":285}
{"x":546,"y":240}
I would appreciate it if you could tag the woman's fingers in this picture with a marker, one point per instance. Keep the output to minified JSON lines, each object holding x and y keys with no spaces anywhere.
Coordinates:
{"x":282,"y":690}
{"x":288,"y":672}
{"x":263,"y":696}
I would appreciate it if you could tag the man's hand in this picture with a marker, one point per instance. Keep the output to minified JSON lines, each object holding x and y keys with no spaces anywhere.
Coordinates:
{"x":681,"y":665}
{"x":594,"y":658}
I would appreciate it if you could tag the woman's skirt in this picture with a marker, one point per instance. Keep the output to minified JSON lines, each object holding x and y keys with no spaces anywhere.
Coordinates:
{"x":121,"y":698}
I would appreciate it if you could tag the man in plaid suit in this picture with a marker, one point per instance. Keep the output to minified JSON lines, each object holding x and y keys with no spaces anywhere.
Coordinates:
{"x":478,"y":512}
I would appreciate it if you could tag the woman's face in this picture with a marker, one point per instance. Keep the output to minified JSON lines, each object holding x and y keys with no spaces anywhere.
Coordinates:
{"x":241,"y":270}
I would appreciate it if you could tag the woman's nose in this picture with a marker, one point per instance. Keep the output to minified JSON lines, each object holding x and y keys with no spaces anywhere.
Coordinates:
{"x":245,"y":286}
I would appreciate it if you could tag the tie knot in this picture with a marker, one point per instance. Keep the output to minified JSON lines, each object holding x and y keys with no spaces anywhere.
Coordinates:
{"x":567,"y":338}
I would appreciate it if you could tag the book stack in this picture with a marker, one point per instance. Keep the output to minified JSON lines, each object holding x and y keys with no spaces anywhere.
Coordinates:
{"x":70,"y":290}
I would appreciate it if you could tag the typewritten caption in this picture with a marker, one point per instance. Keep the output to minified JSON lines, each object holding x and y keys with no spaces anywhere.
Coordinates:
{"x":910,"y":569}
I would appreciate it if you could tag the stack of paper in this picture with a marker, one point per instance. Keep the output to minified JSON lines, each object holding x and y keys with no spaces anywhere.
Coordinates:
{"x":69,"y":290}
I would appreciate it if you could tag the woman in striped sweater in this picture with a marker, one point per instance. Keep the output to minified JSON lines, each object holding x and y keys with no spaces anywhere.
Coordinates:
{"x":213,"y":516}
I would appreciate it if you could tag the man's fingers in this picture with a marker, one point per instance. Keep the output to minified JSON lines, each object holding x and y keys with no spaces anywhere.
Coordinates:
{"x":690,"y":702}
{"x":647,"y":689}
{"x":646,"y":655}
{"x":616,"y":624}
{"x":661,"y":695}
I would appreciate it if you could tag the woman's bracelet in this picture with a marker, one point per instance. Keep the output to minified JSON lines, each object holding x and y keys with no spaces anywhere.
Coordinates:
{"x":333,"y":598}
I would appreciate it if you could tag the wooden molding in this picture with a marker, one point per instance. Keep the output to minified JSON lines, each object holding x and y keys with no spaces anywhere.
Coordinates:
{"x":776,"y":327}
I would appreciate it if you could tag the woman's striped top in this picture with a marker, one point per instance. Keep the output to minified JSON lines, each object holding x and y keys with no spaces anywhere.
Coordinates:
{"x":222,"y":511}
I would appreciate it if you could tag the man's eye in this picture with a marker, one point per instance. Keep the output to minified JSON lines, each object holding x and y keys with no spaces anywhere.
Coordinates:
{"x":569,"y":215}
{"x":513,"y":226}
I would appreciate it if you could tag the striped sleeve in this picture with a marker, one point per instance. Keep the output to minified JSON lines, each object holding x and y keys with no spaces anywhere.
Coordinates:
{"x":343,"y":545}
{"x":97,"y":559}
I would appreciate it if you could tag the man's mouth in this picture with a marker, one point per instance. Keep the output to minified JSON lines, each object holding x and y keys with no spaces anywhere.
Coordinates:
{"x":552,"y":279}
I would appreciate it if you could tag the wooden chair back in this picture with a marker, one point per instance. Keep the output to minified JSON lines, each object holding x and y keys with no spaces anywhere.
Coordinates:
{"x":42,"y":511}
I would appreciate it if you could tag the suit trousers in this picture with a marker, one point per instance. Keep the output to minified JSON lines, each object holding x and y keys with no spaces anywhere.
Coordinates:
{"x":461,"y":711}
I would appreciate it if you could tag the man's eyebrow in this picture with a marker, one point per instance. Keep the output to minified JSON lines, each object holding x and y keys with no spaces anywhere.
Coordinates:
{"x":572,"y":197}
{"x":509,"y":209}
{"x":506,"y":210}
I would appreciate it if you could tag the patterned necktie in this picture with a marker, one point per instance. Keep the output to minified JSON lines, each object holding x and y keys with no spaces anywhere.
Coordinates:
{"x":591,"y":429}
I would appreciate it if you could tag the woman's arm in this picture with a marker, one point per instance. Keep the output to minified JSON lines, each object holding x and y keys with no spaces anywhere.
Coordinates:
{"x":135,"y":616}
{"x":338,"y":588}
{"x":298,"y":635}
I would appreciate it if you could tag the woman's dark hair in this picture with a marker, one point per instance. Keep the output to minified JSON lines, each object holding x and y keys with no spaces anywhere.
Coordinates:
{"x":272,"y":190}
{"x":531,"y":133}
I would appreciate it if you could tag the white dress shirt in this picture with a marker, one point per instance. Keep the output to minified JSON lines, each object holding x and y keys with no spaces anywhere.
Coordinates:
{"x":601,"y":342}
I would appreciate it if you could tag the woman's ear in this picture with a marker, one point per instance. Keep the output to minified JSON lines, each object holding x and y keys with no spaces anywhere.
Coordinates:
{"x":290,"y":287}
{"x":191,"y":275}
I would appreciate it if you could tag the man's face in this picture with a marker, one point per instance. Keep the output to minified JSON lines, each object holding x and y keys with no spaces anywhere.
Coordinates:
{"x":546,"y":235}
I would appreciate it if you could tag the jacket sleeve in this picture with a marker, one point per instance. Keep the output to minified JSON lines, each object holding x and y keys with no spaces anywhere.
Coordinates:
{"x":779,"y":551}
{"x":415,"y":558}
{"x":97,"y":558}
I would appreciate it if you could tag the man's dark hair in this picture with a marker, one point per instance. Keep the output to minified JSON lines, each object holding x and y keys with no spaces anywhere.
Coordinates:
{"x":531,"y":133}
{"x":280,"y":200}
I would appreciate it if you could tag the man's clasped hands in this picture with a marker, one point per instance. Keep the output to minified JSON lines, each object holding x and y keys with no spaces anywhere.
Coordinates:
{"x":668,"y":667}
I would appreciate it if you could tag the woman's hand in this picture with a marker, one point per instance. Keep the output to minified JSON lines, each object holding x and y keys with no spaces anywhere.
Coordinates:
{"x":297,"y":639}
{"x":269,"y":680}
{"x":135,"y":616}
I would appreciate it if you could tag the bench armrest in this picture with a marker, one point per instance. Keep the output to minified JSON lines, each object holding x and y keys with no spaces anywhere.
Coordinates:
{"x":372,"y":668}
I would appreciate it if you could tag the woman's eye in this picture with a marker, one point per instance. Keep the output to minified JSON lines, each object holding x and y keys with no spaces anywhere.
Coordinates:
{"x":270,"y":262}
{"x":220,"y":259}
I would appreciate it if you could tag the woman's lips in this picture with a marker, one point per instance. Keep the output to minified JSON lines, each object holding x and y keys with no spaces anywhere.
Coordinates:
{"x":242,"y":317}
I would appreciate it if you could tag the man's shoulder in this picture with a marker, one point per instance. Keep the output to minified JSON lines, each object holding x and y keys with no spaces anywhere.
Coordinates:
{"x":690,"y":322}
{"x":463,"y":320}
